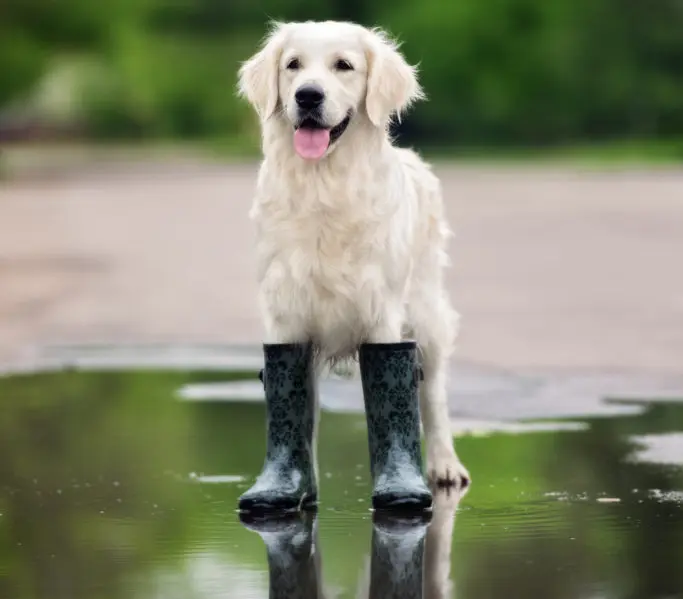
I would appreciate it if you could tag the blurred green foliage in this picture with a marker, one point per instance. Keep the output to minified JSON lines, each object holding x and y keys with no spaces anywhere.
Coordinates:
{"x":503,"y":72}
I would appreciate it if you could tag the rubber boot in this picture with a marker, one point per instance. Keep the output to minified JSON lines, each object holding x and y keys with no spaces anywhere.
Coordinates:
{"x":287,"y":481}
{"x":294,"y":565}
{"x":389,"y":374}
{"x":396,"y":565}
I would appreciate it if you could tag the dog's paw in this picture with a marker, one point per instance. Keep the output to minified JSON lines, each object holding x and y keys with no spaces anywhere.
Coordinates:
{"x":446,"y":501}
{"x":446,"y":471}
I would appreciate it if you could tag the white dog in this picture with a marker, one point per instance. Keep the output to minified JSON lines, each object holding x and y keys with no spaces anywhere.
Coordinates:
{"x":350,"y":229}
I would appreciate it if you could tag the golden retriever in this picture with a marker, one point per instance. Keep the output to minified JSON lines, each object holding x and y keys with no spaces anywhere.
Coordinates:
{"x":351,"y":232}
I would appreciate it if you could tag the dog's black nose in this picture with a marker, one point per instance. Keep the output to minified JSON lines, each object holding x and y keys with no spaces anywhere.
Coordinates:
{"x":309,"y":96}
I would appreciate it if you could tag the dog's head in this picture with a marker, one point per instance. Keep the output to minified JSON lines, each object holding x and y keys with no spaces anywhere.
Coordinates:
{"x":320,"y":76}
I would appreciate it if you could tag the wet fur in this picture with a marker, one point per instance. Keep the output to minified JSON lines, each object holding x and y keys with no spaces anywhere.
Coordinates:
{"x":351,"y":248}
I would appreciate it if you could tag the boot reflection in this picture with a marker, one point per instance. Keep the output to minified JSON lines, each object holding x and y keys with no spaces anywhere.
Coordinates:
{"x":410,"y":563}
{"x":410,"y":554}
{"x":293,"y":556}
{"x":396,"y":564}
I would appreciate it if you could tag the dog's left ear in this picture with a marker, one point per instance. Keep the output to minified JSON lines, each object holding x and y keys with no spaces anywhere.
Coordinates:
{"x":392,"y":82}
{"x":258,"y":76}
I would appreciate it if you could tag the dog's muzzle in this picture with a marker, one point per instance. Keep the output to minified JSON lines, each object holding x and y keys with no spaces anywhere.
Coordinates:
{"x":312,"y":136}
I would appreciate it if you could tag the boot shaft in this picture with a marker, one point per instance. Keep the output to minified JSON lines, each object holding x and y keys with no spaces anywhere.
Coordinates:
{"x":287,"y":480}
{"x":390,"y":377}
{"x":289,"y":383}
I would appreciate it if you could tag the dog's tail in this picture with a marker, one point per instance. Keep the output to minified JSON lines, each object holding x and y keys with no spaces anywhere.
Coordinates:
{"x":341,"y":367}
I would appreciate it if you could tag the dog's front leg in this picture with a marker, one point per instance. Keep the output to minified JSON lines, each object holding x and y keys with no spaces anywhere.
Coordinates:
{"x":284,"y":301}
{"x":389,"y":326}
{"x":284,"y":314}
{"x":288,"y":480}
{"x":390,"y":377}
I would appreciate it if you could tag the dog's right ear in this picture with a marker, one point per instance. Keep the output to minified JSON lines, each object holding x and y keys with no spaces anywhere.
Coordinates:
{"x":258,"y":76}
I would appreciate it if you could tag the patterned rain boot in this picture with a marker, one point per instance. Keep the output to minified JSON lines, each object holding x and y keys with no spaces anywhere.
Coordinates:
{"x":287,"y":481}
{"x":294,"y":565}
{"x":390,"y":373}
{"x":396,"y":565}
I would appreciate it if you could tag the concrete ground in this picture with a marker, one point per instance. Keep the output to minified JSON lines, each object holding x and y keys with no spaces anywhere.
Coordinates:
{"x":553,"y":268}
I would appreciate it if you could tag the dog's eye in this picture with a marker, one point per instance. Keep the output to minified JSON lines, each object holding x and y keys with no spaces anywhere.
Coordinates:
{"x":293,"y":64}
{"x":343,"y":65}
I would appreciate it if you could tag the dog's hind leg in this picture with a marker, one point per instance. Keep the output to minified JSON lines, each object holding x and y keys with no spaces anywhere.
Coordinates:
{"x":435,"y":324}
{"x":289,"y":477}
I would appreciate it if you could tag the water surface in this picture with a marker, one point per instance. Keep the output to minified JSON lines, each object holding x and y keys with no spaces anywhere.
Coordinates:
{"x":112,"y":486}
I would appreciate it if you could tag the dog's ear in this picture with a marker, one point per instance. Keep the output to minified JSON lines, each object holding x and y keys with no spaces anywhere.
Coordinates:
{"x":258,"y":76}
{"x":392,"y":82}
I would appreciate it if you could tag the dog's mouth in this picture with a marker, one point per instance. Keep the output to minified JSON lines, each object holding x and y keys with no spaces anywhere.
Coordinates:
{"x":312,"y":138}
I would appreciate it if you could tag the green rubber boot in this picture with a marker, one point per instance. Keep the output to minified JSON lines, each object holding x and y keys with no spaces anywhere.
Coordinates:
{"x":287,"y":481}
{"x":390,"y":373}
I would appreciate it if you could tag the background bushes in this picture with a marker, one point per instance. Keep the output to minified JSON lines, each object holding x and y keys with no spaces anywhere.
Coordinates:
{"x":500,"y":72}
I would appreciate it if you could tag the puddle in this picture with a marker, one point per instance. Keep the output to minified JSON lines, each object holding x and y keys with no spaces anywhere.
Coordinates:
{"x":115,"y":485}
{"x":665,"y":448}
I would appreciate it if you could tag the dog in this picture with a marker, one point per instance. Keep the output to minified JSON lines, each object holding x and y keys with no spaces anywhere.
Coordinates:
{"x":350,"y":229}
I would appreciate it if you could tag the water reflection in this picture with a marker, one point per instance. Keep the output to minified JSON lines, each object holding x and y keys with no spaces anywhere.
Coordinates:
{"x":437,"y":577}
{"x":410,"y":554}
{"x":397,"y":557}
{"x":293,"y":554}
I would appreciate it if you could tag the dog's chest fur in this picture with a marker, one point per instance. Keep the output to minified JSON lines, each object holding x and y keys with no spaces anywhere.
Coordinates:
{"x":326,"y":244}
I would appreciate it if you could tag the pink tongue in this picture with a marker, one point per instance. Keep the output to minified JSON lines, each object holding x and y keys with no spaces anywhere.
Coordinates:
{"x":311,"y":143}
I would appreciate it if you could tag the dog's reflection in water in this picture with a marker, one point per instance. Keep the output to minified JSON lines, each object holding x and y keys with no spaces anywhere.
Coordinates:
{"x":410,"y":556}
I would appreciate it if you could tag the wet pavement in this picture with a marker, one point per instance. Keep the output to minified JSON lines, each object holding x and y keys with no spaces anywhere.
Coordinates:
{"x":562,"y":266}
{"x":123,"y":482}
